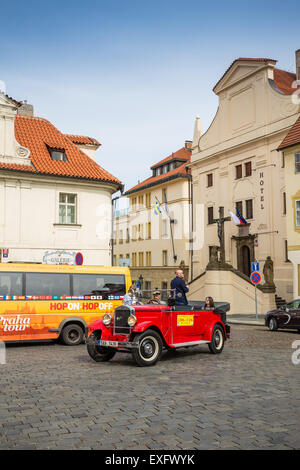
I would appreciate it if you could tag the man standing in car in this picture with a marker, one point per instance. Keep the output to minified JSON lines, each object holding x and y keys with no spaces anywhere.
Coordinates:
{"x":180,"y":288}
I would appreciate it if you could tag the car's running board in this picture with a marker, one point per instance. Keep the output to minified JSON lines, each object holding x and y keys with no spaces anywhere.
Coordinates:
{"x":189,"y":343}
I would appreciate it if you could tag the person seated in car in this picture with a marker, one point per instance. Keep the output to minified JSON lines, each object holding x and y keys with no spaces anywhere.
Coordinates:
{"x":131,"y":298}
{"x":209,"y":304}
{"x":157,"y":299}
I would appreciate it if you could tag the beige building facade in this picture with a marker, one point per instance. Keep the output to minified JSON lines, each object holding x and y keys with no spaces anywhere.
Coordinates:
{"x":152,"y":237}
{"x":235,"y":165}
{"x":290,"y":147}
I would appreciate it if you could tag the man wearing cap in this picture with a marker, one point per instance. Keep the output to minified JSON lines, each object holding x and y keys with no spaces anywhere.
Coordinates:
{"x":180,"y":288}
{"x":157,"y":299}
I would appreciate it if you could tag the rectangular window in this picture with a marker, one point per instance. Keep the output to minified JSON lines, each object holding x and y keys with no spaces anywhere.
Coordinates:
{"x":147,"y":294}
{"x":115,"y":260}
{"x":164,"y":293}
{"x":248,"y":169}
{"x":10,"y":283}
{"x":297,"y":210}
{"x":99,"y":284}
{"x":133,"y":259}
{"x":149,"y":230}
{"x":249,"y":209}
{"x":165,"y":258}
{"x":133,"y":204}
{"x":284,"y":203}
{"x":148,"y":258}
{"x":140,"y":232}
{"x":141,"y":258}
{"x":67,"y":208}
{"x":120,"y":237}
{"x":141,"y":202}
{"x":209,"y":180}
{"x":47,"y":284}
{"x":127,"y":236}
{"x":238,"y":172}
{"x":297,"y":162}
{"x":58,"y":155}
{"x":148,"y":200}
{"x":210,"y":215}
{"x":282,"y":161}
{"x":239,"y":207}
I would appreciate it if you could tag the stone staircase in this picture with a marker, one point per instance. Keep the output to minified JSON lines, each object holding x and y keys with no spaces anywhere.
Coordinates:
{"x":279,"y":301}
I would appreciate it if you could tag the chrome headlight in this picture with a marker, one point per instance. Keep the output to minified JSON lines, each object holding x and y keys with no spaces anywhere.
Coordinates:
{"x":107,"y":319}
{"x":132,"y":320}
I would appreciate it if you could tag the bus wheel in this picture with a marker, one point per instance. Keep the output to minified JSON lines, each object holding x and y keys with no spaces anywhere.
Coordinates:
{"x":72,"y":335}
{"x":98,"y":353}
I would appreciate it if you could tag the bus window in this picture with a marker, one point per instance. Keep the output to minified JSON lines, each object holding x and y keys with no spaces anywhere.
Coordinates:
{"x":47,"y":284}
{"x":99,"y":284}
{"x":10,"y":283}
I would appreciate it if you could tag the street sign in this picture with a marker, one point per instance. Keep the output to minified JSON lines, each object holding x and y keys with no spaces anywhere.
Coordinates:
{"x":255,"y":278}
{"x":5,"y":252}
{"x":79,"y":259}
{"x":255,"y":266}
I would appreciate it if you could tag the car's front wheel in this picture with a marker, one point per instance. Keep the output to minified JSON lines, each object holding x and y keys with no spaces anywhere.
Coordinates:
{"x":148,"y":348}
{"x":273,"y":325}
{"x":217,"y":340}
{"x":98,"y":353}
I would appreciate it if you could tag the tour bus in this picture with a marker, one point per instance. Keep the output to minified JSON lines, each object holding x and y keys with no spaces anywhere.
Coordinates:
{"x":39,"y":301}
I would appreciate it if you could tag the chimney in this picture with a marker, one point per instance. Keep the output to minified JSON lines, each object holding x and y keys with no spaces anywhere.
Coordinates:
{"x":298,"y":64}
{"x":25,"y":109}
{"x":188,"y":144}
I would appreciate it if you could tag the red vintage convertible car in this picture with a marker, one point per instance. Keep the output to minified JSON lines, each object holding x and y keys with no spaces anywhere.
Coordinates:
{"x":145,"y":330}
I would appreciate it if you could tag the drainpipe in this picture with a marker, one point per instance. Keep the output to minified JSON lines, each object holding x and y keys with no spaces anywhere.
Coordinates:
{"x":112,"y":221}
{"x":191,"y":220}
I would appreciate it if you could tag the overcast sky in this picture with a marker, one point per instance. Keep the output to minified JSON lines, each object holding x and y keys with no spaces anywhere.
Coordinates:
{"x":134,"y":74}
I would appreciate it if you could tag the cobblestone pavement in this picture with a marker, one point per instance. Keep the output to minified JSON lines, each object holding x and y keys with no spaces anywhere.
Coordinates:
{"x":56,"y":397}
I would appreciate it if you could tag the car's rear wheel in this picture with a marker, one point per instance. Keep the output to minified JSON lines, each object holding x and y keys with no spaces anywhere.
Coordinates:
{"x":217,"y":340}
{"x":99,"y":353}
{"x":72,"y":335}
{"x":148,"y":348}
{"x":273,"y":325}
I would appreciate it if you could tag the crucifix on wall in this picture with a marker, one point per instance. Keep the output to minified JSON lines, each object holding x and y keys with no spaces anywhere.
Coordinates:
{"x":220,"y":224}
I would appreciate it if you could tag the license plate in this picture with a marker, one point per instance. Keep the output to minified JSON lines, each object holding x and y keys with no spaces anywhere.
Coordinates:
{"x":108,"y":343}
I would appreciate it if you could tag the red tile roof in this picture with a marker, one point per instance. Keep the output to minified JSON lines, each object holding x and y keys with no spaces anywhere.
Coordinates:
{"x":180,"y":172}
{"x":181,"y":154}
{"x":283,"y":80}
{"x":38,"y":135}
{"x":82,"y":139}
{"x":292,"y":137}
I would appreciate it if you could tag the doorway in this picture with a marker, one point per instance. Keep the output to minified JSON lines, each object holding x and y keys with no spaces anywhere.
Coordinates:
{"x":246,"y":260}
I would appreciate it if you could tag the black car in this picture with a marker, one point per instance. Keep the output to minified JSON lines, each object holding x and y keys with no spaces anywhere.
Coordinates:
{"x":287,"y":316}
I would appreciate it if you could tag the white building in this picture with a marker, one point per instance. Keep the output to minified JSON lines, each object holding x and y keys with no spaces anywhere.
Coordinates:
{"x":55,"y":200}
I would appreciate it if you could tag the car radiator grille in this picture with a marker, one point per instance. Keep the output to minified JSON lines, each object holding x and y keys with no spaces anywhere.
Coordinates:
{"x":121,"y":321}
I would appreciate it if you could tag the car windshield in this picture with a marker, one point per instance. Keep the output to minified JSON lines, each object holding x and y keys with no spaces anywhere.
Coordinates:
{"x":294,"y":304}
